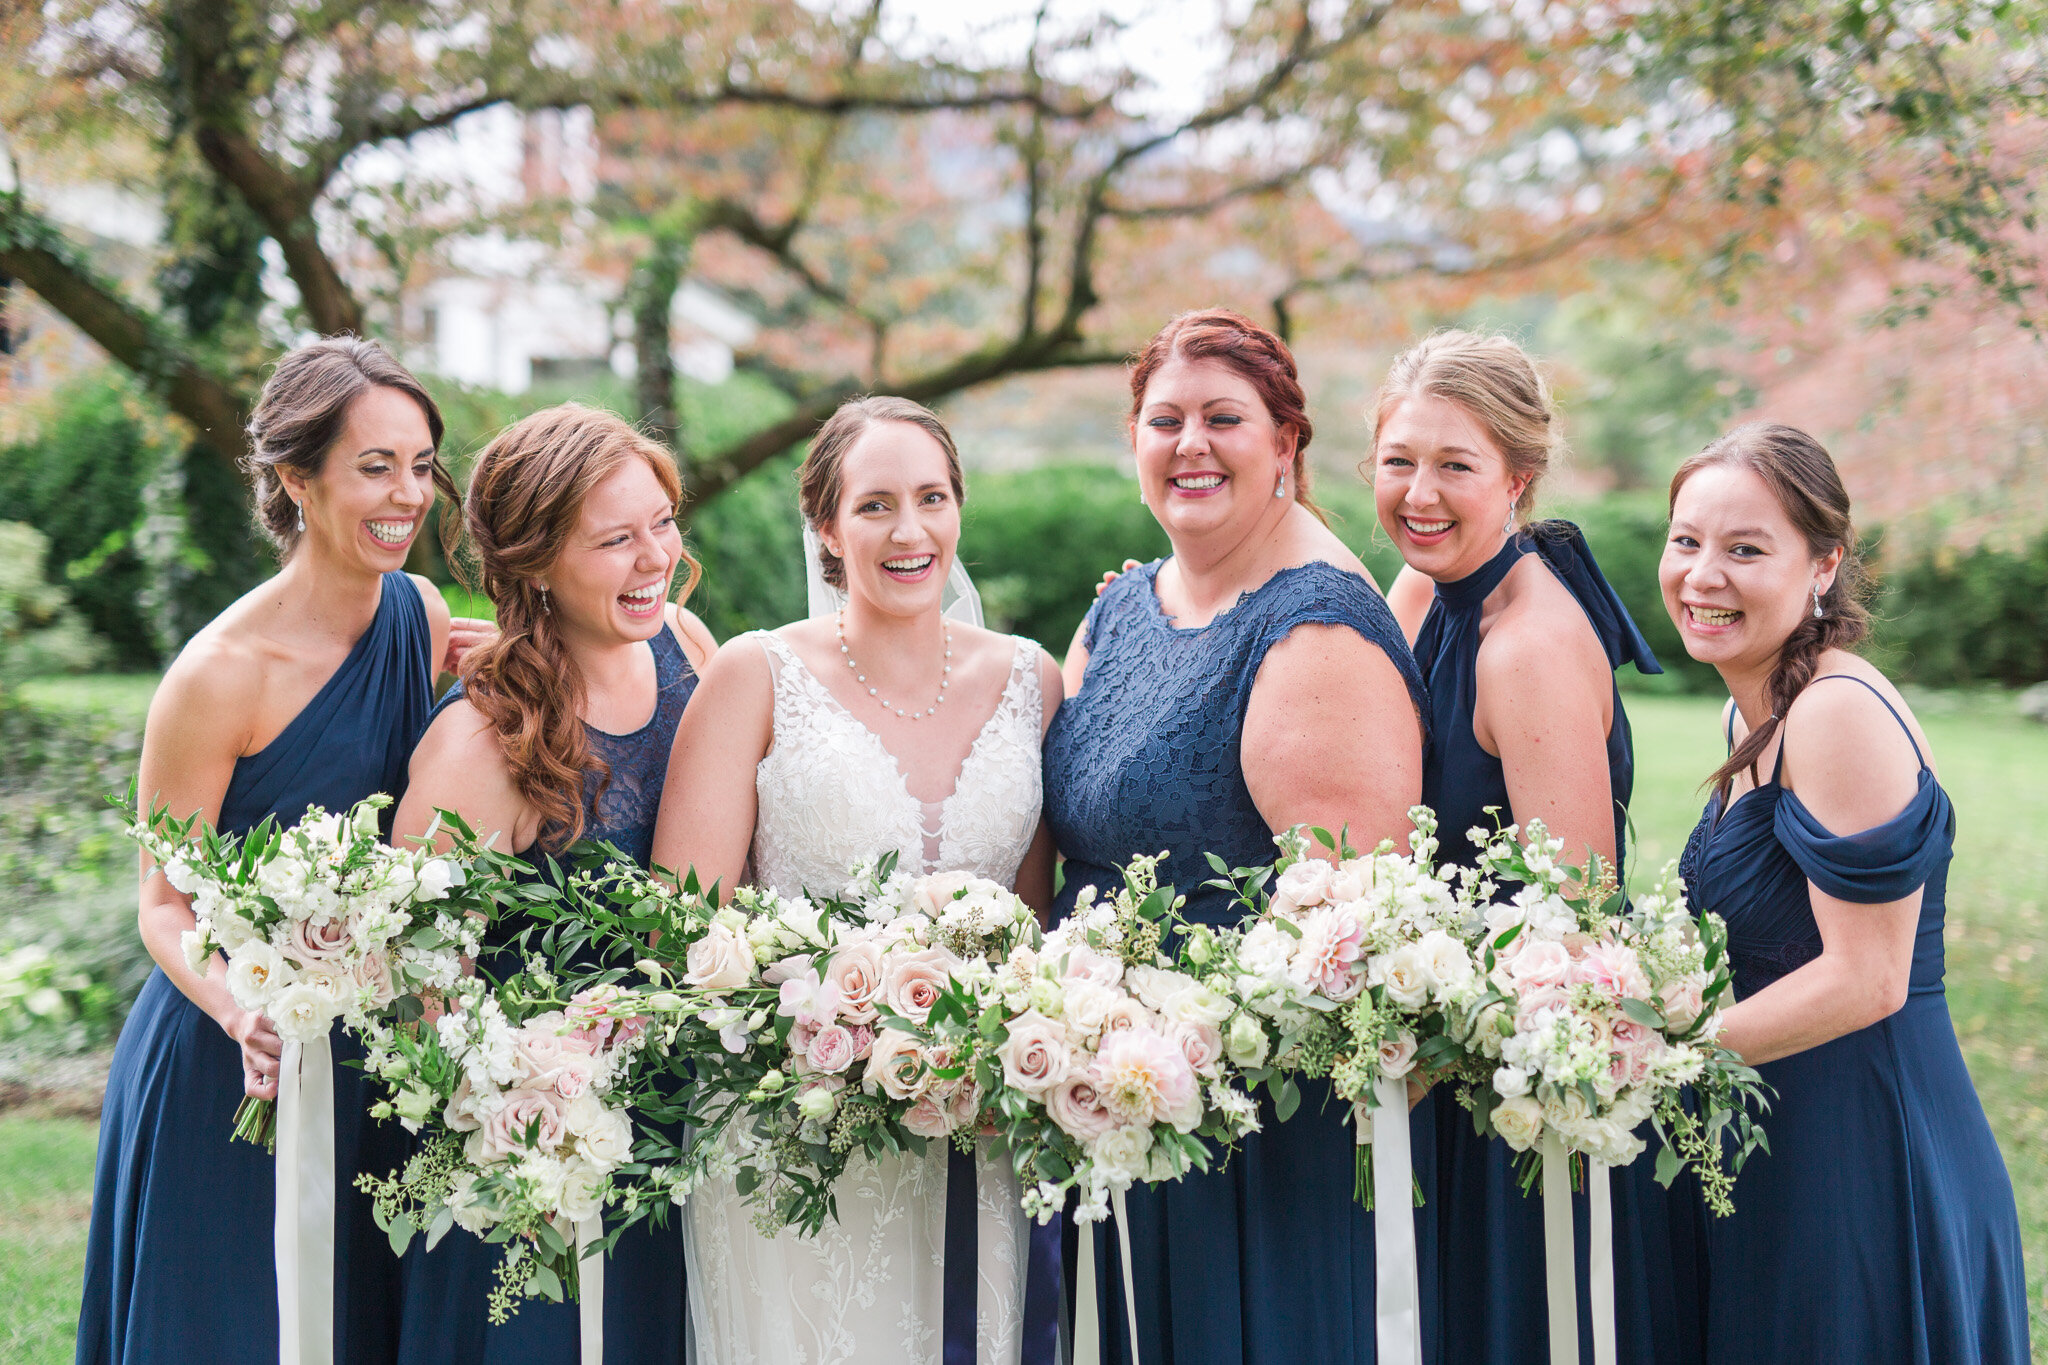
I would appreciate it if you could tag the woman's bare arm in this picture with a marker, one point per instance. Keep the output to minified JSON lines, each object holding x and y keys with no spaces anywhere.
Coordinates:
{"x":708,"y":803}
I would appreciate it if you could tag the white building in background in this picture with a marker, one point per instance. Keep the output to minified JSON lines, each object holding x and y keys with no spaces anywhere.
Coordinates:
{"x":506,"y":313}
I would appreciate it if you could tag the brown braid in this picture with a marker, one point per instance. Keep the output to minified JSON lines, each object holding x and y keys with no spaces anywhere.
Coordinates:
{"x":1803,"y":478}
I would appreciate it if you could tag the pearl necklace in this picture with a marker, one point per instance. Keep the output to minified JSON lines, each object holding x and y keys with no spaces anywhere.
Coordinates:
{"x":946,"y":667}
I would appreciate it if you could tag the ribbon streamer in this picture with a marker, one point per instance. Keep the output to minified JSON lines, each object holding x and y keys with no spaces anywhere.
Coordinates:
{"x":1559,"y":1274}
{"x":1399,"y":1313}
{"x":1600,"y":1209}
{"x":303,"y":1232}
{"x":590,"y":1290}
{"x":1123,"y":1237}
{"x":1087,"y":1314}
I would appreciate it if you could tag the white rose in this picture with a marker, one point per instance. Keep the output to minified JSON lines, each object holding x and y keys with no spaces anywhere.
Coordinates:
{"x":232,"y":932}
{"x":437,"y":877}
{"x":193,"y":943}
{"x":1086,"y":1006}
{"x":301,"y":1012}
{"x":1347,"y":883}
{"x":183,"y":876}
{"x":582,"y":1194}
{"x":1397,"y":1054}
{"x":719,"y":961}
{"x":1406,"y":977}
{"x":1120,"y":1154}
{"x":1446,"y":962}
{"x":1510,"y":1082}
{"x":609,"y":1141}
{"x":1519,"y":1121}
{"x":470,"y":1215}
{"x":1247,"y":1044}
{"x":1197,"y":1004}
{"x":1306,"y":883}
{"x":818,"y":1103}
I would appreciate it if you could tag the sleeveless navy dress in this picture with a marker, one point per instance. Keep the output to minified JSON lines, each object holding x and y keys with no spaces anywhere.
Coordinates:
{"x":178,"y":1264}
{"x":1490,"y":1234}
{"x":1268,"y":1261}
{"x":1880,"y":1226}
{"x":644,"y":1305}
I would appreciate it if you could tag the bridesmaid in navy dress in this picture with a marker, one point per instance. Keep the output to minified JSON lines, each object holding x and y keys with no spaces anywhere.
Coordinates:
{"x":309,"y":690}
{"x":1880,"y":1226}
{"x":1253,"y":681}
{"x":560,"y":730}
{"x":1518,"y":636}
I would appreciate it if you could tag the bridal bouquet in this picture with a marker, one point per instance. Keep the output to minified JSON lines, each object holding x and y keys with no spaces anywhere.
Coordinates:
{"x":1598,"y":1014}
{"x":1357,"y":970}
{"x":323,"y":920}
{"x":1098,"y":1061}
{"x":524,"y":1092}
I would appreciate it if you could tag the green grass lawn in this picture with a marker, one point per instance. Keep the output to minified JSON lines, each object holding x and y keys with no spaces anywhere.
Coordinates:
{"x":1994,"y":765}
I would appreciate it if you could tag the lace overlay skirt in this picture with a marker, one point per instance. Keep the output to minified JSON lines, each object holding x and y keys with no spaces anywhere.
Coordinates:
{"x":869,"y":1288}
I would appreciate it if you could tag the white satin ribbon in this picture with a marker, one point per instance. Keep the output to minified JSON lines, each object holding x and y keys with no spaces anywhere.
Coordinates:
{"x":1601,"y":1260}
{"x":1399,"y":1311}
{"x":590,"y":1290}
{"x":1087,"y":1320}
{"x":1561,"y":1279}
{"x":303,"y":1234}
{"x":1123,"y":1237}
{"x":1560,"y":1274}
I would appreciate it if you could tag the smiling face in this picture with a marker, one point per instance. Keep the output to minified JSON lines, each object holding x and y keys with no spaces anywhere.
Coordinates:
{"x":610,"y":582}
{"x":1209,"y":453}
{"x":1737,"y":576}
{"x":370,"y":499}
{"x":1442,"y":487}
{"x":898,"y":523}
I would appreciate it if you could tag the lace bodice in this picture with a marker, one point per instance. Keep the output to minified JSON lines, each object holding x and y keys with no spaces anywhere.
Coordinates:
{"x":831,"y":794}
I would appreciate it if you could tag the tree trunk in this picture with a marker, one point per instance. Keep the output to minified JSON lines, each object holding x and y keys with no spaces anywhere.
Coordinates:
{"x":653,"y":293}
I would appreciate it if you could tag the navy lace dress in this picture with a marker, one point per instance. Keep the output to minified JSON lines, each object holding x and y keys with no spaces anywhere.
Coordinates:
{"x":1490,"y":1234}
{"x":178,"y":1263}
{"x":1880,"y":1227}
{"x":1268,"y":1261}
{"x":644,"y":1304}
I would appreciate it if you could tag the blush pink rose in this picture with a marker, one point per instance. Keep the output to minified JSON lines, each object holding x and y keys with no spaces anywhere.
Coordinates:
{"x":856,"y":970}
{"x":373,"y":974}
{"x":1034,"y":1056}
{"x":1541,"y":963}
{"x":1683,"y":1002}
{"x":912,"y":982}
{"x":324,"y":942}
{"x":1615,"y":969}
{"x":505,"y":1134}
{"x":831,"y":1049}
{"x":1201,"y":1044}
{"x":898,"y":1066}
{"x":1076,"y":1106}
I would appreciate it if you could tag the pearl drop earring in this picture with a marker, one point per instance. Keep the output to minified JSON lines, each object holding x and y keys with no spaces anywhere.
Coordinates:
{"x":1818,"y":614}
{"x":301,"y":507}
{"x":1280,"y":488}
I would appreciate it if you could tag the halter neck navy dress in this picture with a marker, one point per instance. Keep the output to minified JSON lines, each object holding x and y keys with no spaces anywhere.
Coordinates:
{"x":1268,"y":1261}
{"x":1880,"y":1226}
{"x":1490,"y":1234}
{"x":178,"y":1263}
{"x":644,"y":1304}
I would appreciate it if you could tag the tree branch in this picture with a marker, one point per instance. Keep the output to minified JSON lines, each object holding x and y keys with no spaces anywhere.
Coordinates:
{"x":285,"y":204}
{"x":34,"y":252}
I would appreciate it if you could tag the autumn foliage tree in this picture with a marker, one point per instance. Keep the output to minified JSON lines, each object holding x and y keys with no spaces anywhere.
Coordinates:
{"x":922,"y":212}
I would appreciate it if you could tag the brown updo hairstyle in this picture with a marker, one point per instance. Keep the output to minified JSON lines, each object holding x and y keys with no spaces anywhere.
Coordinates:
{"x":1256,"y":355}
{"x":1491,"y":377}
{"x":525,"y":495}
{"x":300,"y":414}
{"x":824,"y":467}
{"x":1801,"y":476}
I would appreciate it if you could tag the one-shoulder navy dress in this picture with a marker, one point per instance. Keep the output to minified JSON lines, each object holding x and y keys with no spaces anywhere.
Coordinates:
{"x":1270,"y":1260}
{"x":644,"y":1304}
{"x":1880,"y":1226}
{"x":1490,"y":1234}
{"x":178,"y":1265}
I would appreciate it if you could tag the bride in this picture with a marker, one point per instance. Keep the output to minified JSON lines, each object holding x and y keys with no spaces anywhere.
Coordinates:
{"x":880,"y":724}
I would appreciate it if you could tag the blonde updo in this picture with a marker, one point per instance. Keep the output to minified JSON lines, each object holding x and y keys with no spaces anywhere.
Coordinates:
{"x":1491,"y":377}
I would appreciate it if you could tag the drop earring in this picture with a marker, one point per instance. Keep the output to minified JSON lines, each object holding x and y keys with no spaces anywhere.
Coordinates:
{"x":545,"y":606}
{"x":1280,"y":488}
{"x":1817,"y":612}
{"x":301,"y":508}
{"x":1508,"y":527}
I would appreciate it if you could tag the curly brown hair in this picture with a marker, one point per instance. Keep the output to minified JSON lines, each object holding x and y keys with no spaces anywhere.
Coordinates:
{"x":525,"y":495}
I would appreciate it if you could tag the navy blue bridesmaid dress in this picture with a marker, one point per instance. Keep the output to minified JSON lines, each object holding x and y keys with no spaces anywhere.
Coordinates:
{"x":178,"y":1263}
{"x":1880,"y":1226}
{"x":644,"y":1305}
{"x":1490,"y":1234}
{"x":1268,"y":1261}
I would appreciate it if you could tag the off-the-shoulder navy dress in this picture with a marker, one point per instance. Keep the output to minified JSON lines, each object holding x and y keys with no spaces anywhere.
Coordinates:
{"x":1269,"y":1261}
{"x":644,"y":1305}
{"x":178,"y":1265}
{"x":1880,"y":1227}
{"x":1490,"y":1234}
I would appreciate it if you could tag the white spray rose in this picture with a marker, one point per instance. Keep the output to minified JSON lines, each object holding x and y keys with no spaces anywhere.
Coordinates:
{"x":1519,"y":1121}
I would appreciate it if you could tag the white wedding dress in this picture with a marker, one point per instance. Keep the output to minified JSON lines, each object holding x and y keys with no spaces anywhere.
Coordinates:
{"x":868,"y":1289}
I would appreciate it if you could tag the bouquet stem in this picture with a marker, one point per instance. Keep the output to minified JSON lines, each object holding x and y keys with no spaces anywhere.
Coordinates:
{"x":256,"y":1122}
